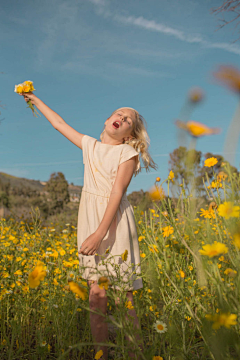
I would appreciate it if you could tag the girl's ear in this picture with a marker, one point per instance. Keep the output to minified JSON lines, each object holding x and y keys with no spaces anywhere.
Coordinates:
{"x":106,"y":121}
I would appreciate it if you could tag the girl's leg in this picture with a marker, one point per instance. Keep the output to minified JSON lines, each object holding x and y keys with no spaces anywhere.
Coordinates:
{"x":132,"y":312}
{"x":99,"y":328}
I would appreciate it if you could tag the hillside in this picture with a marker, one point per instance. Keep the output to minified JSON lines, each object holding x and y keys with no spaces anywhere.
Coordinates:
{"x":21,"y":182}
{"x":33,"y":185}
{"x":24,"y":195}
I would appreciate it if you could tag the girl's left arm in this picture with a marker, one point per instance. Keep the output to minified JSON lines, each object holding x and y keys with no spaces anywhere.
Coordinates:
{"x":123,"y":178}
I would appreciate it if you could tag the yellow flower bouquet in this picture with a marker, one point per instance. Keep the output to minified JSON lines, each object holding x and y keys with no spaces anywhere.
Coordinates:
{"x":26,"y":87}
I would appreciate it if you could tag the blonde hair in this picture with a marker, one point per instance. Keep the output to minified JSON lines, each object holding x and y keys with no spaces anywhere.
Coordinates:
{"x":140,"y":141}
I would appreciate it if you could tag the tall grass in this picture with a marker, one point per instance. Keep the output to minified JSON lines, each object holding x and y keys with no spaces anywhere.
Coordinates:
{"x":195,"y":296}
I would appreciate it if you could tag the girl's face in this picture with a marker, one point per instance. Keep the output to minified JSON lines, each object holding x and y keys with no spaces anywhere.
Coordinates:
{"x":121,"y":124}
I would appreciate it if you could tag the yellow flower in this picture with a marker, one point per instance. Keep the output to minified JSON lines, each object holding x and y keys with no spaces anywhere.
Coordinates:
{"x":124,"y":255}
{"x":227,"y":210}
{"x":140,"y":238}
{"x":18,"y":272}
{"x":208,"y":214}
{"x":156,"y":193}
{"x":18,"y":89}
{"x":230,"y":272}
{"x":29,"y":83}
{"x":212,"y":206}
{"x":182,"y":274}
{"x":195,"y":95}
{"x":143,"y":255}
{"x":157,"y":358}
{"x":196,"y":129}
{"x":79,"y":290}
{"x":37,"y":275}
{"x":216,"y":184}
{"x":165,"y":213}
{"x":67,"y":264}
{"x":210,"y":162}
{"x":153,"y":248}
{"x":62,"y":252}
{"x":223,"y":319}
{"x":103,"y":282}
{"x":214,"y":250}
{"x":230,"y":76}
{"x":55,"y":282}
{"x":236,"y":240}
{"x":26,"y":88}
{"x":167,"y":231}
{"x":129,"y":305}
{"x":171,"y":175}
{"x":160,"y":326}
{"x":158,"y":179}
{"x":222,"y":176}
{"x":98,"y":355}
{"x":54,"y":254}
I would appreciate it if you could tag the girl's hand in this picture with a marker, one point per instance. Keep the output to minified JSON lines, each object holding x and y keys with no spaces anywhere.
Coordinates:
{"x":90,"y":245}
{"x":29,"y":96}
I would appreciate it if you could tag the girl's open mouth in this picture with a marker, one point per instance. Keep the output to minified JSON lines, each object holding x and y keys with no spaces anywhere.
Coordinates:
{"x":116,"y":125}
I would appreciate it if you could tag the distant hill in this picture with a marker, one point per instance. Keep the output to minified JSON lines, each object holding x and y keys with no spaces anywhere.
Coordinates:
{"x":33,"y":185}
{"x":21,"y":182}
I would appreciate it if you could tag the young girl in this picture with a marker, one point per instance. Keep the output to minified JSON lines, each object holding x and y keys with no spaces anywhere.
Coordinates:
{"x":106,"y":225}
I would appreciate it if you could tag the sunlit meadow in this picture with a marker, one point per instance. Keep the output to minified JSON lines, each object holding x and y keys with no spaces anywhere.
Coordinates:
{"x":189,"y":307}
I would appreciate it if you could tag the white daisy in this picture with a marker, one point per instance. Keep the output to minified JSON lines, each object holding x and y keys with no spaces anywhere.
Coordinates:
{"x":160,"y":326}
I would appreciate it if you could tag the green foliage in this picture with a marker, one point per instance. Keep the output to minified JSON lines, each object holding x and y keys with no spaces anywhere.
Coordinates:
{"x":4,"y":194}
{"x":141,"y":199}
{"x":188,"y":167}
{"x":57,"y":187}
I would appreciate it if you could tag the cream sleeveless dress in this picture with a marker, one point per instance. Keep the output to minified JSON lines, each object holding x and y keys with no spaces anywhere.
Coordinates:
{"x":101,"y":163}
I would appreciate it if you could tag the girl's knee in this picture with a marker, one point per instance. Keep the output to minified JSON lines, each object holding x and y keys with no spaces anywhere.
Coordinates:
{"x":97,"y":296}
{"x":130,"y":296}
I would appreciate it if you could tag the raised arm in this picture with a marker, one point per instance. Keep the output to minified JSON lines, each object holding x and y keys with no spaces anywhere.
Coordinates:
{"x":123,"y":178}
{"x":57,"y":121}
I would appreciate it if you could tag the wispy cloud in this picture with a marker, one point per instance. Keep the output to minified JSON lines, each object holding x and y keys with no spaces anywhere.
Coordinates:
{"x":60,"y":30}
{"x":152,"y":25}
{"x":135,"y":70}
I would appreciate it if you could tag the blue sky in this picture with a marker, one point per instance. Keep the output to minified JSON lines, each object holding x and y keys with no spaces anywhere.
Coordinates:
{"x":89,"y":57}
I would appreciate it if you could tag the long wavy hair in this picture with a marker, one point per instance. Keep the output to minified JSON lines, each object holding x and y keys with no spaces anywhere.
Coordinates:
{"x":140,"y":141}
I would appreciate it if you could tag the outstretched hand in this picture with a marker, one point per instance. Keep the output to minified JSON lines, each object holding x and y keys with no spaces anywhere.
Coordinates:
{"x":29,"y":96}
{"x":90,"y":245}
